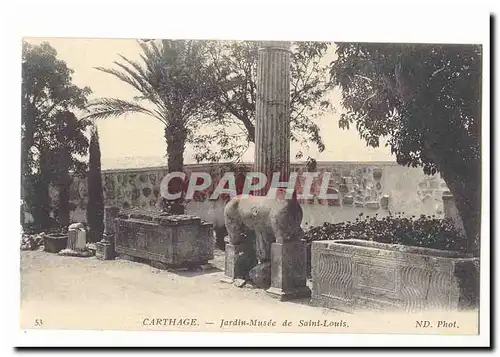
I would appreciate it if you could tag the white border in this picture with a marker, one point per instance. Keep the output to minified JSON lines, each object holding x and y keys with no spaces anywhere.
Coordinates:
{"x":425,"y":21}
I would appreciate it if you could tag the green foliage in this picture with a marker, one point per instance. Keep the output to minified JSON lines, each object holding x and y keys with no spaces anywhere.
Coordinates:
{"x":424,"y":231}
{"x":46,"y":90}
{"x":172,"y":88}
{"x":51,"y":133}
{"x":426,"y":101}
{"x":169,"y":82}
{"x":232,"y":118}
{"x":95,"y":205}
{"x":413,"y":94}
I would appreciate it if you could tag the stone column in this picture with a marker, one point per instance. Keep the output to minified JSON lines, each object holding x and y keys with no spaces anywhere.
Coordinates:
{"x":272,"y":137}
{"x":272,"y":115}
{"x":105,"y":249}
{"x":272,"y":154}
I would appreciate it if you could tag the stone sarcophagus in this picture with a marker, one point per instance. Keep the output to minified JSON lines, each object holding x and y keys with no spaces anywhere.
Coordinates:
{"x":175,"y":241}
{"x":349,"y":275}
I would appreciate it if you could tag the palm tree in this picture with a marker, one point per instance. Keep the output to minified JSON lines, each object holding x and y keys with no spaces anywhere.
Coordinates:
{"x":174,"y":86}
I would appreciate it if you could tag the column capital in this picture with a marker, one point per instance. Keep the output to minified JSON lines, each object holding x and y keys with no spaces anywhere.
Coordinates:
{"x":274,"y":46}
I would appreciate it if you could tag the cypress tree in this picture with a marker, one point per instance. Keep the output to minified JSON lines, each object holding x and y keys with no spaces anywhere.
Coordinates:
{"x":95,"y":205}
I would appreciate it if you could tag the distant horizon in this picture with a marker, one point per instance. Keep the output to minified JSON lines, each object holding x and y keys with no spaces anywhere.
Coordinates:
{"x":134,"y":163}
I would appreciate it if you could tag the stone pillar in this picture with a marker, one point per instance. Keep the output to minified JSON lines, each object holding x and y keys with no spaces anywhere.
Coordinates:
{"x":105,"y":249}
{"x":77,"y":237}
{"x":272,"y":115}
{"x":240,"y":259}
{"x":272,"y":154}
{"x":289,"y":270}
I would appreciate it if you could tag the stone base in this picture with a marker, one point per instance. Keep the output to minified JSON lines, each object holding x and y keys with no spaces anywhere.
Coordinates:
{"x":240,"y":259}
{"x":299,"y":293}
{"x":193,"y":266}
{"x":288,"y":270}
{"x":104,"y":251}
{"x":91,"y":247}
{"x":130,"y":258}
{"x":76,"y":253}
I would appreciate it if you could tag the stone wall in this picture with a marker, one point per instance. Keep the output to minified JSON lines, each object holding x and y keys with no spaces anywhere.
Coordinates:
{"x":361,"y":187}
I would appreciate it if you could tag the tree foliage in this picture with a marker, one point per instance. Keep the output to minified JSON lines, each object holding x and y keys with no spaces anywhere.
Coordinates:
{"x":95,"y":205}
{"x":232,"y":118}
{"x":172,"y":87}
{"x":52,"y":136}
{"x":47,"y":89}
{"x":426,"y":100}
{"x":66,"y":144}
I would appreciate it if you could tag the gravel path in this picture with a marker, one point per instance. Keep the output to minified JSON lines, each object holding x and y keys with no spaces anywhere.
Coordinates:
{"x":86,"y":293}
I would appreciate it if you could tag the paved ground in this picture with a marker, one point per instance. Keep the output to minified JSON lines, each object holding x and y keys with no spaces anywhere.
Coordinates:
{"x":67,"y":292}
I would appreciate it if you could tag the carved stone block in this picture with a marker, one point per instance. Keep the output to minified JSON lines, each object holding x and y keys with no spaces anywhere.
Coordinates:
{"x":177,"y":241}
{"x":104,"y":250}
{"x":355,"y":274}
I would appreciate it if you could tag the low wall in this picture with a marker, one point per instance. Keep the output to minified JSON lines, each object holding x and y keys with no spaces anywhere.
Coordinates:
{"x":360,"y":186}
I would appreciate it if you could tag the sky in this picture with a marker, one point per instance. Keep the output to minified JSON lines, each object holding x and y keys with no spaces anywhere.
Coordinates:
{"x":137,"y":140}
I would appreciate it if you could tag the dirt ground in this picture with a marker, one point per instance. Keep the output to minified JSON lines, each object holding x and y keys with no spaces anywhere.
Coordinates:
{"x":68,"y":292}
{"x":60,"y":292}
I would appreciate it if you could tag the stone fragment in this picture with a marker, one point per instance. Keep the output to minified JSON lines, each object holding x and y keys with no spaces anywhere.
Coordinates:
{"x":372,"y":205}
{"x":377,"y":174}
{"x":384,"y":202}
{"x":75,"y":253}
{"x":239,"y":282}
{"x":358,"y":204}
{"x":260,"y":275}
{"x":348,"y":200}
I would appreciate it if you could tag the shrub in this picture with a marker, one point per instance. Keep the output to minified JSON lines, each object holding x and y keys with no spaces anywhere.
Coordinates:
{"x":423,"y":231}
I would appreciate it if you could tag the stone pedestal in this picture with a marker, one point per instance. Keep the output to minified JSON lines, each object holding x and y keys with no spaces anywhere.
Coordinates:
{"x":240,"y":259}
{"x":272,"y":122}
{"x":105,"y":249}
{"x":288,"y":271}
{"x":77,"y":242}
{"x":77,"y":238}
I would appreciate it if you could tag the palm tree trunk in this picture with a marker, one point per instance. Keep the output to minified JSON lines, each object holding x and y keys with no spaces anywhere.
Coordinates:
{"x":175,"y":136}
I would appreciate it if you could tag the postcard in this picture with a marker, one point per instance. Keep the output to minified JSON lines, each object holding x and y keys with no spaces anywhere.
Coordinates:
{"x":253,"y":185}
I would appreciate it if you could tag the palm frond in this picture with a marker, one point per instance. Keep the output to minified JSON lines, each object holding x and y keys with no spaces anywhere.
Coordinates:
{"x":112,"y":107}
{"x":146,"y":80}
{"x":121,"y":76}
